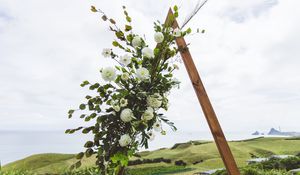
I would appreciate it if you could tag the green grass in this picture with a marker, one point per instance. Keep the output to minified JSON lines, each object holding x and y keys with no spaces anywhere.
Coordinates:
{"x":157,"y":169}
{"x":189,"y":152}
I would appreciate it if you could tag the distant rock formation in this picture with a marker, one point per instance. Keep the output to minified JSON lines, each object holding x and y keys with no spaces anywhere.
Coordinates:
{"x":255,"y":133}
{"x":277,"y":132}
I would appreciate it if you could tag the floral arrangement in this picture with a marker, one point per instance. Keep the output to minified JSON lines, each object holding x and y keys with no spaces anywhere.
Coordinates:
{"x":127,"y":111}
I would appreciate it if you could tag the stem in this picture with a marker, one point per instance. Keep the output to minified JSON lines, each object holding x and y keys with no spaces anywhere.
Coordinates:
{"x":121,"y":171}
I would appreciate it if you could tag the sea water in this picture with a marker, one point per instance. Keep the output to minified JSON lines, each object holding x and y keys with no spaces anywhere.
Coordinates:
{"x":15,"y":145}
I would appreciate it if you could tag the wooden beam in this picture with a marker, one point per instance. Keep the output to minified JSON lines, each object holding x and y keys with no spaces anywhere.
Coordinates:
{"x":207,"y":108}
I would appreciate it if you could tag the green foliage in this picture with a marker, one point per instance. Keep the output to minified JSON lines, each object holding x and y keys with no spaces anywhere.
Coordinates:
{"x":16,"y":172}
{"x":157,"y":170}
{"x":202,"y":151}
{"x":279,"y":164}
{"x":120,"y":158}
{"x":126,"y":107}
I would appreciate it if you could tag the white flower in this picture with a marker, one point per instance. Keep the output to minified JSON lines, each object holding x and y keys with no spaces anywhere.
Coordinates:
{"x":125,"y":140}
{"x":125,"y":76}
{"x":123,"y":102}
{"x":158,"y":37}
{"x":148,"y":114}
{"x":106,"y":52}
{"x":136,"y":41}
{"x":126,"y":115}
{"x":142,"y":73}
{"x":151,"y":135}
{"x":116,"y":107}
{"x":155,"y":100}
{"x":125,"y":60}
{"x":157,"y":126}
{"x":147,"y":52}
{"x":177,"y":32}
{"x":108,"y":74}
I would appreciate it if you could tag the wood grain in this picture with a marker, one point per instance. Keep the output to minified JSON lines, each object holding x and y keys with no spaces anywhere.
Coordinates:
{"x":205,"y":103}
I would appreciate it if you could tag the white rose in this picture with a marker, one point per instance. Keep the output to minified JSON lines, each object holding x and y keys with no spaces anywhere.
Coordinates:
{"x":142,"y":73}
{"x":158,"y":37}
{"x":125,"y":76}
{"x":177,"y":32}
{"x":136,"y":41}
{"x":123,"y":102}
{"x":108,"y":74}
{"x":157,"y":126}
{"x":106,"y":52}
{"x":147,"y":52}
{"x":148,"y":114}
{"x":125,"y":140}
{"x":151,"y":135}
{"x":125,"y":60}
{"x":155,"y":100}
{"x":126,"y":115}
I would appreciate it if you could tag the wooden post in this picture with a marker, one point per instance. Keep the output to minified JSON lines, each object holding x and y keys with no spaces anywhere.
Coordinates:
{"x":207,"y":108}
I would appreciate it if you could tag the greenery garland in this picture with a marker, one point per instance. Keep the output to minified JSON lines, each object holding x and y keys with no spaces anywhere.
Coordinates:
{"x":126,"y":111}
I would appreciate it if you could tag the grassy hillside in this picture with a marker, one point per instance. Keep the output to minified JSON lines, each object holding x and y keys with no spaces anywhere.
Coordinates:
{"x":195,"y":151}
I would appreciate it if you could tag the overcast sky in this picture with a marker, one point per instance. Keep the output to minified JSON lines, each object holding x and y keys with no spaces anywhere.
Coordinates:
{"x":249,"y":60}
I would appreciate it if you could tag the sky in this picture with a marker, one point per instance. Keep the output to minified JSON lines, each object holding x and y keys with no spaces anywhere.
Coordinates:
{"x":248,"y":60}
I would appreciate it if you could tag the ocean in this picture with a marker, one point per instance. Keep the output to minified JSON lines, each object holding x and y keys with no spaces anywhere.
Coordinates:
{"x":15,"y":145}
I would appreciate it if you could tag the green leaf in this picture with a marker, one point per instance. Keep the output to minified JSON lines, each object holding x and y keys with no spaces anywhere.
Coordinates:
{"x":104,"y":18}
{"x":189,"y":30}
{"x":89,"y":144}
{"x":82,"y":106}
{"x":87,"y":130}
{"x":115,"y":43}
{"x":93,"y":115}
{"x":156,"y":51}
{"x":127,"y":28}
{"x":112,"y":21}
{"x":120,"y":157}
{"x":78,"y":164}
{"x":82,"y":115}
{"x":84,"y":83}
{"x":72,"y":167}
{"x":88,"y":97}
{"x":93,"y":9}
{"x":175,"y":8}
{"x":94,"y":86}
{"x":89,"y":152}
{"x":80,"y":155}
{"x":120,"y":35}
{"x":128,"y":19}
{"x":71,"y":111}
{"x":176,"y":14}
{"x":129,"y":37}
{"x":117,"y":67}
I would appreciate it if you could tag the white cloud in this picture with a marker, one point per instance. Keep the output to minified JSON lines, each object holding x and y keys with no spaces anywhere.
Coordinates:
{"x":247,"y":59}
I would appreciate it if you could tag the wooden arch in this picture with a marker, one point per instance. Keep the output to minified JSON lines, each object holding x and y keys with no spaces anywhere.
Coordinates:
{"x":204,"y":101}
